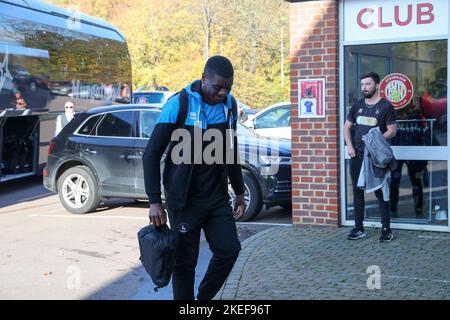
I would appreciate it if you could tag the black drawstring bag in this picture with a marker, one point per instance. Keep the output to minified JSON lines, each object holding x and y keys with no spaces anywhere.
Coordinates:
{"x":157,"y":245}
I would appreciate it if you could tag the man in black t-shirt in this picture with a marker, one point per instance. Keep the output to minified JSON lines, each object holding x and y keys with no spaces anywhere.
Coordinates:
{"x":370,"y":112}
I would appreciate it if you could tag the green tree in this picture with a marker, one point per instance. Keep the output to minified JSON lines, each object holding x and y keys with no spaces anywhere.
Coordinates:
{"x":169,"y":41}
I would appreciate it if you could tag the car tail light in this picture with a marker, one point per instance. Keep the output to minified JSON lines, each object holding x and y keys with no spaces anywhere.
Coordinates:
{"x":50,"y":147}
{"x":45,"y":173}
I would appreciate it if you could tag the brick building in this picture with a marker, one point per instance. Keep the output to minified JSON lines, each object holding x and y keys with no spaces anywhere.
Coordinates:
{"x":333,"y":42}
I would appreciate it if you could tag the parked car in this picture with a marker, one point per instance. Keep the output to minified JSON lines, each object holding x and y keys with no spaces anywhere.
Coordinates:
{"x":99,"y":155}
{"x":248,"y":111}
{"x":266,"y":170}
{"x":273,"y":121}
{"x":24,"y":80}
{"x":151,"y":88}
{"x":152,"y":97}
{"x":62,"y":88}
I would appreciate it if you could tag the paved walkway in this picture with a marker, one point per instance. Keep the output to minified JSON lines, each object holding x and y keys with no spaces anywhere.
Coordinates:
{"x":320,"y":263}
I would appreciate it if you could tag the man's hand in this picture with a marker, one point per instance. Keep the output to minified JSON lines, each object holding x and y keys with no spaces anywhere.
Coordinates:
{"x":351,"y":151}
{"x":157,"y":214}
{"x":240,"y":206}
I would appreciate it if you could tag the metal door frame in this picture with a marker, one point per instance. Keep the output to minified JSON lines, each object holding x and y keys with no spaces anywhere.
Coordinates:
{"x":401,"y":152}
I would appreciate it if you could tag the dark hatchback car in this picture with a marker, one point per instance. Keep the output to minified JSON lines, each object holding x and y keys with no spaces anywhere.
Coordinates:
{"x":99,"y":155}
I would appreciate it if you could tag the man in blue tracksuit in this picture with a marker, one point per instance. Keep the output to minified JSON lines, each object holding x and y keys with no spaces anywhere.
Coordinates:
{"x":196,"y":190}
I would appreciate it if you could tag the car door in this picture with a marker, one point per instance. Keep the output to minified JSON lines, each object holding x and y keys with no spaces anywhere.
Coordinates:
{"x":146,"y":124}
{"x":110,"y":150}
{"x":285,"y":133}
{"x":274,"y":123}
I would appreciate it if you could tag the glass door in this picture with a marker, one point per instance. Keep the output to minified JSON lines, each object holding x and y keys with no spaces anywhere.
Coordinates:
{"x":418,"y":186}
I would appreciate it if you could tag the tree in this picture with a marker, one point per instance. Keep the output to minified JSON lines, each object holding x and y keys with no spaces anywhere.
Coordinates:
{"x":169,"y":42}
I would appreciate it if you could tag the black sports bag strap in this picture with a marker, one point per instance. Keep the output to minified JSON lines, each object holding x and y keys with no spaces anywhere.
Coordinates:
{"x":183,"y":108}
{"x":234,"y":111}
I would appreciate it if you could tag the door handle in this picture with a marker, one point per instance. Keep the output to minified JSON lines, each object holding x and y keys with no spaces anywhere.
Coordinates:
{"x":128,"y":156}
{"x":87,"y":150}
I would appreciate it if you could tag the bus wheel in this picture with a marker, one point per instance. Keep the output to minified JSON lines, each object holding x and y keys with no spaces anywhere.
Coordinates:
{"x":78,"y":191}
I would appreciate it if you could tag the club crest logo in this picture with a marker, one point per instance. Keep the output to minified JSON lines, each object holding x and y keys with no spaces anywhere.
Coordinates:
{"x":397,"y":89}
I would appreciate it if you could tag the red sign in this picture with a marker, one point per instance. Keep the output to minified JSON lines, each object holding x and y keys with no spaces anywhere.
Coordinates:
{"x":397,"y":89}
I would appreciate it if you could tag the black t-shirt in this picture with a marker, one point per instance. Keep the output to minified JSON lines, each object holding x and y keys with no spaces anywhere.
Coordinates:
{"x":206,"y":184}
{"x":365,"y":118}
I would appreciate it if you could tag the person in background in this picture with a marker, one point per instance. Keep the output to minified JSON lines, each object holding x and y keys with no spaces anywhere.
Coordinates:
{"x":63,"y":119}
{"x":21,"y":104}
{"x":367,"y":113}
{"x":16,"y":95}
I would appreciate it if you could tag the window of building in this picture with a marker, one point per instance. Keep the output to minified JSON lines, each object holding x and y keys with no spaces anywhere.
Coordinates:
{"x":423,"y":122}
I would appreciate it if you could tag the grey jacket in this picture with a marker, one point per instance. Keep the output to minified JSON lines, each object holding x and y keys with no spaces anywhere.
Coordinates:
{"x":377,"y":164}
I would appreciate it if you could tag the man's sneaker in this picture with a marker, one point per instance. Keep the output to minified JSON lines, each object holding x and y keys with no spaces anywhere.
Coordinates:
{"x":386,"y":236}
{"x":356,"y":234}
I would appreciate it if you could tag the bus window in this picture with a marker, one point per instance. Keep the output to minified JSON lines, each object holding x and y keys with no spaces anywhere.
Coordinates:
{"x":46,"y":62}
{"x":27,"y":77}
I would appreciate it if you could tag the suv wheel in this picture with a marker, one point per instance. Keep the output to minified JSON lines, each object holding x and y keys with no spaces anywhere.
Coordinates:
{"x":252,"y":195}
{"x":78,"y":191}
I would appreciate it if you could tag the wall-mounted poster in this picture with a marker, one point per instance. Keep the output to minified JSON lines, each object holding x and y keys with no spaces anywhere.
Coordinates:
{"x":311,"y":102}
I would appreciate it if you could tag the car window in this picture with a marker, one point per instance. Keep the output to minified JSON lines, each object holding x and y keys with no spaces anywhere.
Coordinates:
{"x":89,"y":125}
{"x":116,"y":124}
{"x":278,"y":117}
{"x":147,"y":123}
{"x":284,"y":120}
{"x":155,"y":97}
